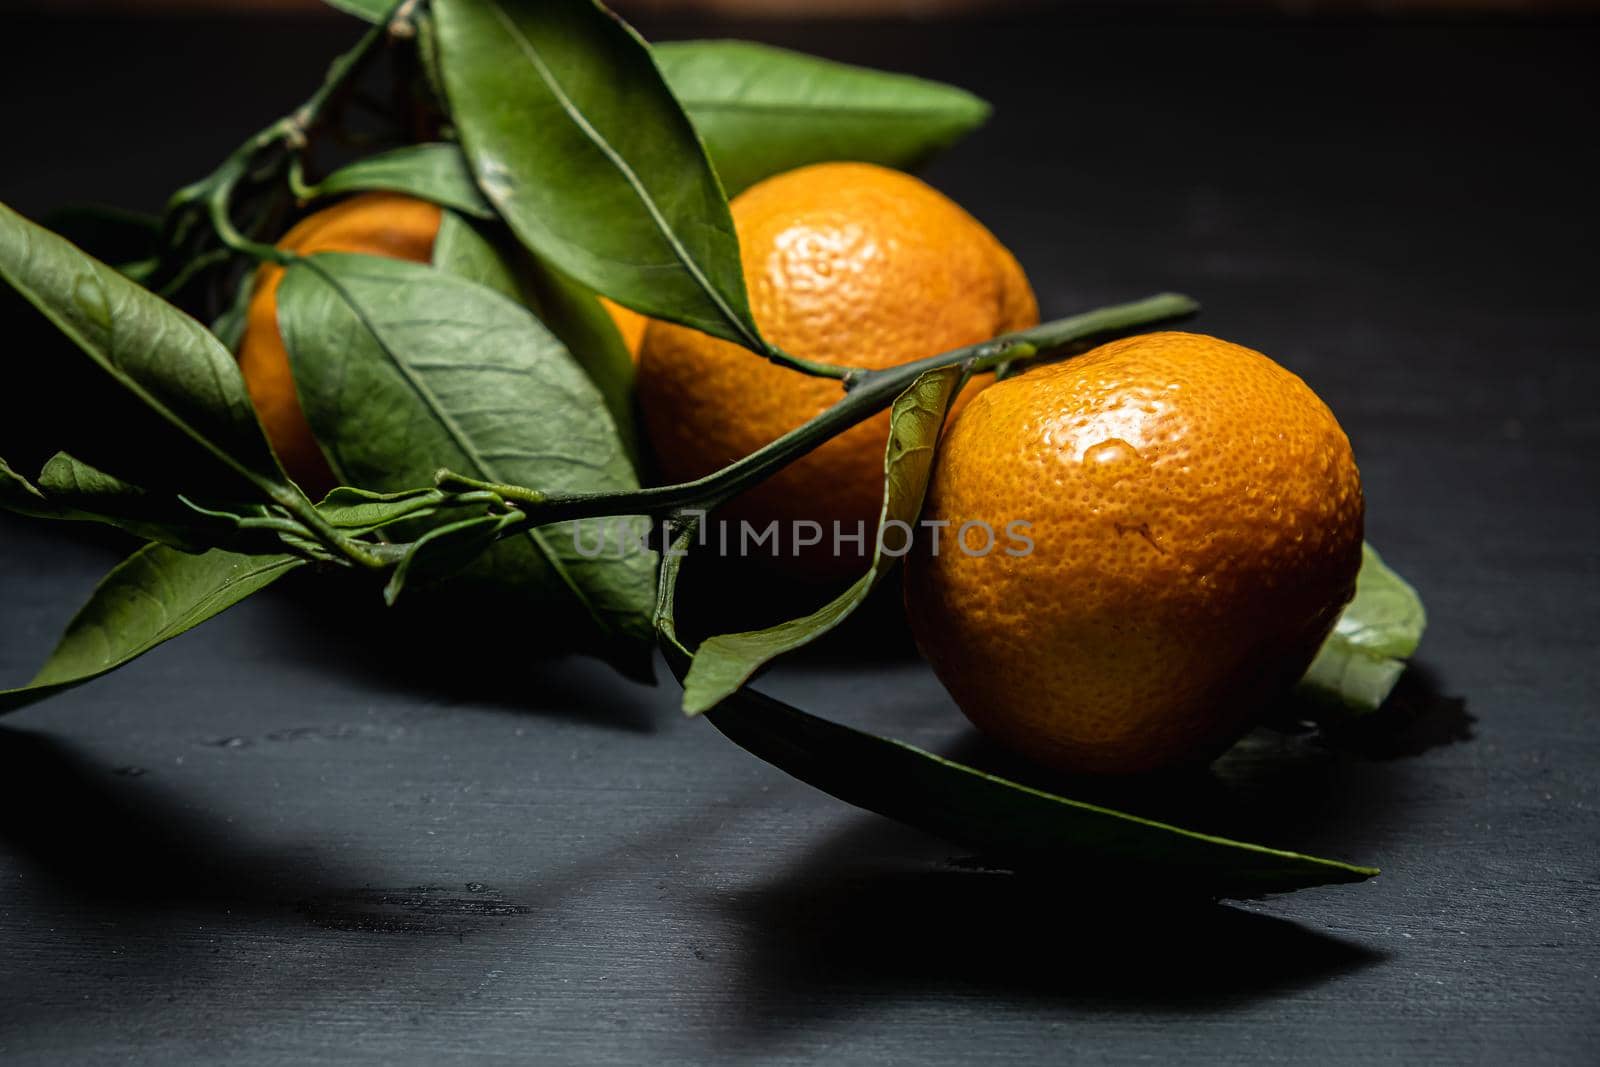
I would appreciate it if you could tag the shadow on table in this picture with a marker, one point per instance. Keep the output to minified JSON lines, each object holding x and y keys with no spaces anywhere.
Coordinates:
{"x":866,"y":915}
{"x":719,"y":595}
{"x":1299,"y":789}
{"x":880,"y":910}
{"x":107,"y":839}
{"x":479,"y":651}
{"x":484,"y":649}
{"x":123,"y":849}
{"x":132,"y":884}
{"x":1417,"y":717}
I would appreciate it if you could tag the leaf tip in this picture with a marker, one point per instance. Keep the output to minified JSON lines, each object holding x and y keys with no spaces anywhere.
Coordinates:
{"x":699,"y":699}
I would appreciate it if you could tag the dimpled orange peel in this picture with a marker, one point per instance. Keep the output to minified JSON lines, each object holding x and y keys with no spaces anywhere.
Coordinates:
{"x":846,"y":263}
{"x":1196,"y":521}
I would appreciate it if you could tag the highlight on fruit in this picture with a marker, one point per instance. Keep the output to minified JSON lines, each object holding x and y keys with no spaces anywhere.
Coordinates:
{"x":575,"y":330}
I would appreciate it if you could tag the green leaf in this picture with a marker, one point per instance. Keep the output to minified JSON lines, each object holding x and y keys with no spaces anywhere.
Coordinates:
{"x":445,"y":550}
{"x":1003,"y":820}
{"x":73,"y":491}
{"x":460,"y":248}
{"x":723,"y":663}
{"x":428,"y":57}
{"x":81,"y":492}
{"x":577,"y":141}
{"x":574,"y":314}
{"x":79,"y":485}
{"x":21,"y":496}
{"x":435,"y":172}
{"x":153,"y":596}
{"x":150,"y":395}
{"x":764,"y":110}
{"x":357,"y":511}
{"x":1359,"y":664}
{"x":1010,"y":822}
{"x":570,"y":311}
{"x":403,"y":369}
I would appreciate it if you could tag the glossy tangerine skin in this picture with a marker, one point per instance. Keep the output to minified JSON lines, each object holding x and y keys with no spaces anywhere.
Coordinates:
{"x":848,"y":263}
{"x":1197,"y":523}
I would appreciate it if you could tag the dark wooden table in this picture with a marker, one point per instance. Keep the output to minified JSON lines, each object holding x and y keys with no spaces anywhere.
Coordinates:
{"x":290,"y":838}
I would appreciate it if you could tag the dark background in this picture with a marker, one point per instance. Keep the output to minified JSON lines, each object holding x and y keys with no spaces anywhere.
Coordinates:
{"x":299,"y":835}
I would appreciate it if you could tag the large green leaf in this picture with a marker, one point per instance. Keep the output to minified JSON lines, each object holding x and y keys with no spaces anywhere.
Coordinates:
{"x":143,"y":392}
{"x":579,"y":144}
{"x":435,"y":172}
{"x":762,"y":111}
{"x":153,"y":596}
{"x":1359,"y":664}
{"x":569,"y":310}
{"x":765,"y":110}
{"x":403,"y":369}
{"x":1003,"y":820}
{"x":725,"y":662}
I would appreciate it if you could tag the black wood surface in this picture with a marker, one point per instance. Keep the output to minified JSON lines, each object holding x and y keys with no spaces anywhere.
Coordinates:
{"x":296,"y":835}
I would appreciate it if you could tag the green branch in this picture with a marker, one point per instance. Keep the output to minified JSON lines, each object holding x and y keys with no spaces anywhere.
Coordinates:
{"x":211,"y":198}
{"x":865,"y":396}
